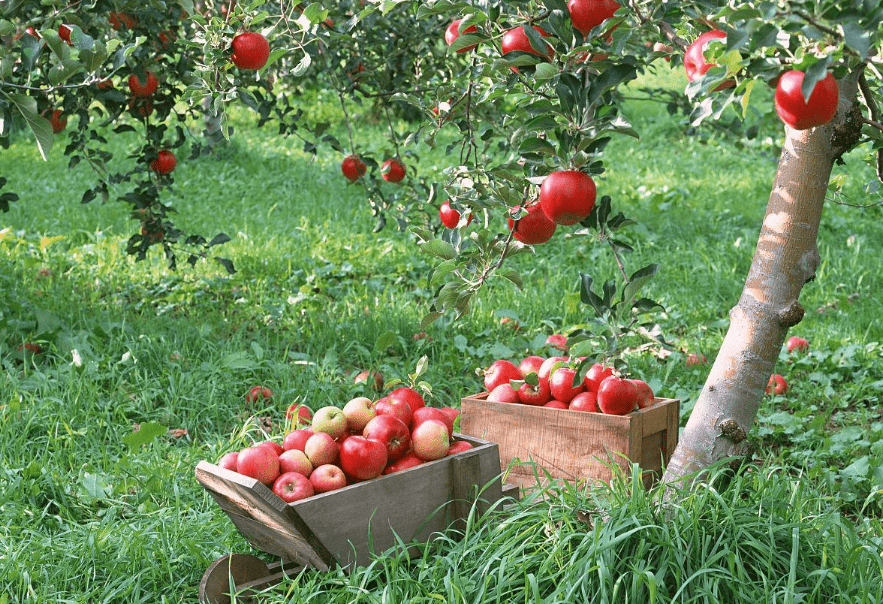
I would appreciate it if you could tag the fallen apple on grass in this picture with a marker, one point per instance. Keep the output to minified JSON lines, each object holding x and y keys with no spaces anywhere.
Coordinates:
{"x":777,"y":385}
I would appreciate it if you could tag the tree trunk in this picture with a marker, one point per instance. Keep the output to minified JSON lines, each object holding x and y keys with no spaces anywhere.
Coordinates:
{"x":785,"y":259}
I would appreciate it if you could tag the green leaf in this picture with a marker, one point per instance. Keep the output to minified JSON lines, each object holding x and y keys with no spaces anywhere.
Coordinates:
{"x":513,"y":276}
{"x":814,"y":74}
{"x":857,"y":38}
{"x":609,"y":78}
{"x":384,"y":341}
{"x":536,"y":145}
{"x":545,"y":71}
{"x":587,"y":296}
{"x":38,"y":124}
{"x":146,"y":433}
{"x":315,"y":12}
{"x":637,"y":281}
{"x":439,"y":249}
{"x":430,"y":318}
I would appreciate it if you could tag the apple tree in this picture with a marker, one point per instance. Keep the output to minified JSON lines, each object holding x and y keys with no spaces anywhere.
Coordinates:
{"x":551,"y":102}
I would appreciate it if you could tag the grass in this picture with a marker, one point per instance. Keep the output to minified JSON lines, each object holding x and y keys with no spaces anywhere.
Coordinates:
{"x":94,"y":513}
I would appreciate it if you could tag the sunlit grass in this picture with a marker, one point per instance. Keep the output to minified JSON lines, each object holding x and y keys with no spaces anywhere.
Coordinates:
{"x":318,"y":295}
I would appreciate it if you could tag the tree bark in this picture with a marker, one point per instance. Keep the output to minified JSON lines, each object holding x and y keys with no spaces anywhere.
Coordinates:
{"x":785,"y":259}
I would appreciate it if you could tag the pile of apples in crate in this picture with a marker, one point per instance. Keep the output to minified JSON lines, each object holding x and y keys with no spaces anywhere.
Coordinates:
{"x":554,"y":382}
{"x":337,"y":446}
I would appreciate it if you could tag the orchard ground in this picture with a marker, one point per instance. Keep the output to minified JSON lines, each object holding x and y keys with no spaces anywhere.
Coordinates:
{"x":95,"y":513}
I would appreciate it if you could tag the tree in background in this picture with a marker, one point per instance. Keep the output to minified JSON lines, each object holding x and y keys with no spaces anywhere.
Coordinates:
{"x":531,"y":93}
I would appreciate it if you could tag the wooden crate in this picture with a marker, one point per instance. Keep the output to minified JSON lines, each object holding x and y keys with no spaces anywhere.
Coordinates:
{"x":346,"y":526}
{"x":572,"y":445}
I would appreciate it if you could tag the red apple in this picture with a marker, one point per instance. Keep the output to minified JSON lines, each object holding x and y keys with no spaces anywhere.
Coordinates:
{"x":530,"y":364}
{"x":588,"y":14}
{"x":426,"y":413}
{"x":256,"y":393}
{"x":408,"y":395}
{"x":228,"y":461}
{"x":260,"y":463}
{"x":797,"y":343}
{"x":392,"y":170}
{"x":596,"y":375}
{"x":58,"y":121}
{"x":392,"y":432}
{"x":294,"y":460}
{"x":694,"y":57}
{"x":561,"y":384}
{"x":553,"y":404}
{"x":453,"y":32}
{"x":777,"y":385}
{"x":64,"y":32}
{"x":329,"y":419}
{"x":143,"y":88}
{"x":273,"y":445}
{"x":119,"y":20}
{"x":430,"y":440}
{"x":292,"y":486}
{"x":558,"y":341}
{"x":303,"y":413}
{"x":458,"y":446}
{"x":409,"y":460}
{"x":359,"y":411}
{"x":645,"y":393}
{"x":449,"y":216}
{"x":327,"y":477}
{"x":452,"y":413}
{"x":397,"y":408}
{"x":362,"y":458}
{"x":321,"y":449}
{"x":694,"y":360}
{"x":585,"y":401}
{"x":371,"y":377}
{"x":504,"y":393}
{"x":547,"y":366}
{"x":353,"y":167}
{"x":500,"y":372}
{"x":516,"y":40}
{"x":250,"y":50}
{"x":537,"y":396}
{"x":567,"y":196}
{"x":800,"y":113}
{"x":534,"y":228}
{"x":617,"y":396}
{"x":296,"y":439}
{"x":165,"y":163}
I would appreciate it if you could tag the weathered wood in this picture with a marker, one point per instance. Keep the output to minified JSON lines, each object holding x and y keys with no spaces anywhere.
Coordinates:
{"x":242,"y":574}
{"x":265,"y":520}
{"x":348,"y":525}
{"x":572,"y":445}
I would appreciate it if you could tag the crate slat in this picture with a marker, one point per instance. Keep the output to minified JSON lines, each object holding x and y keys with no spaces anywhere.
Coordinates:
{"x":573,"y":445}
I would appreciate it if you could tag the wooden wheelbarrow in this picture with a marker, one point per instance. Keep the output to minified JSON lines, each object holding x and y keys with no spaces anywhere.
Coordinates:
{"x":347,"y":526}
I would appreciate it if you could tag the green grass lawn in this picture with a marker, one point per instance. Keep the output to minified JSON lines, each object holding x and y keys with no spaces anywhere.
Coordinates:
{"x":90,"y":514}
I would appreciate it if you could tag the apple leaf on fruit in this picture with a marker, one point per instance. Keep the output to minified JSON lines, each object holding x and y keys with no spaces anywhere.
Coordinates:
{"x":145,"y":434}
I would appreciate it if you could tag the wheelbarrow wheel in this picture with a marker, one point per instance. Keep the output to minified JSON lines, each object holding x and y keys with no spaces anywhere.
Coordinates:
{"x":238,"y":569}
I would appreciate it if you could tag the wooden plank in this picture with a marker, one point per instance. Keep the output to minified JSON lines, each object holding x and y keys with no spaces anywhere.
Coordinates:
{"x":404,"y":506}
{"x":567,"y":444}
{"x":281,"y":532}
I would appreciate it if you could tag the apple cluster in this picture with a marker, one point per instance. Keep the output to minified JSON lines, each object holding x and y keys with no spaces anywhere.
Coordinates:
{"x":554,"y":382}
{"x":338,"y":446}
